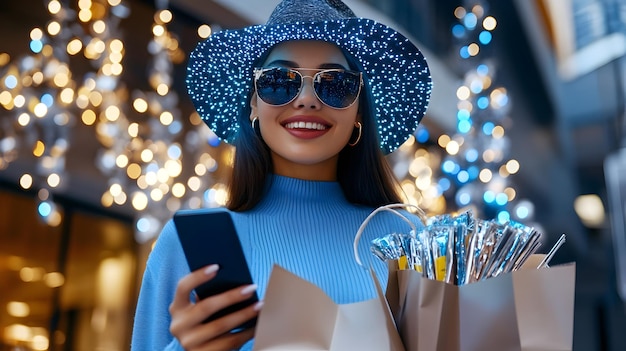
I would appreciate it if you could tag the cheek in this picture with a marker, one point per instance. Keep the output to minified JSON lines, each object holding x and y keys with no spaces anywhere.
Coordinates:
{"x":265,"y":110}
{"x":351,"y":117}
{"x":266,"y":116}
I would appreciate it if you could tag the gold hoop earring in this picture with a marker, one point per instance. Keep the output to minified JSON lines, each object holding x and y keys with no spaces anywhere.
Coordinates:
{"x":358,"y":138}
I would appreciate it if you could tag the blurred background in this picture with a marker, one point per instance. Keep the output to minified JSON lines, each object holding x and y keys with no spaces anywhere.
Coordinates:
{"x":100,"y":145}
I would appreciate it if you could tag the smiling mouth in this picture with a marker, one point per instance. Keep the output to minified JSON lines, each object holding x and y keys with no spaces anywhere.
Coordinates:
{"x":306,"y":125}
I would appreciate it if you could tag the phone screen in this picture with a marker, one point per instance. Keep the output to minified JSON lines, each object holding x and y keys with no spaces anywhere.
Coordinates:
{"x":209,"y":237}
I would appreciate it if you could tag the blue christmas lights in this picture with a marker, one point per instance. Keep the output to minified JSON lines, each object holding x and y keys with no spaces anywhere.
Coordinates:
{"x":36,"y":46}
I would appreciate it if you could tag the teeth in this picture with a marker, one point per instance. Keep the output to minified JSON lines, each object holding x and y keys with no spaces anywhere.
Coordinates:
{"x":305,"y":125}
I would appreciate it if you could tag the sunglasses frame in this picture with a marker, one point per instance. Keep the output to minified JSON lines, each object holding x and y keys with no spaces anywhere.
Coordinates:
{"x":259,"y":71}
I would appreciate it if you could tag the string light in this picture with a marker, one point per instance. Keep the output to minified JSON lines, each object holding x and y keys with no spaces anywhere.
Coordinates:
{"x":471,"y":167}
{"x":479,"y":169}
{"x":141,"y":134}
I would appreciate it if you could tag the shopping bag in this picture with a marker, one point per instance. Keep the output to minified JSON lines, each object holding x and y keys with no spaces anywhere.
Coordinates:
{"x":298,"y":315}
{"x":528,"y":309}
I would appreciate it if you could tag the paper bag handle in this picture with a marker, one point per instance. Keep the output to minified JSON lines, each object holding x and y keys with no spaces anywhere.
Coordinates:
{"x":357,"y":237}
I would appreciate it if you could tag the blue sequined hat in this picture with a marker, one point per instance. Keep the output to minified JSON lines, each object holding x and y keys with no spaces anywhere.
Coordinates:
{"x":220,"y":69}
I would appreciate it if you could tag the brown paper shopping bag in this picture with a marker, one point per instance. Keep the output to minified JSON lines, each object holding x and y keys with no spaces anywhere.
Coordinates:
{"x":523,"y":310}
{"x":297,"y":315}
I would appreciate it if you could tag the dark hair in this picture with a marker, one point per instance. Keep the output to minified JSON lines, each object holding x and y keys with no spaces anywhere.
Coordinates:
{"x":251,"y":166}
{"x":362,"y":171}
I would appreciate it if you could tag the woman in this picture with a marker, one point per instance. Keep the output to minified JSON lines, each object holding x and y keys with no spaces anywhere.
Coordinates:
{"x":312,"y":101}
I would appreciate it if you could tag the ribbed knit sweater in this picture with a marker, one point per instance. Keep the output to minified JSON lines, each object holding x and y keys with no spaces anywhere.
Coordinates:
{"x":307,"y":227}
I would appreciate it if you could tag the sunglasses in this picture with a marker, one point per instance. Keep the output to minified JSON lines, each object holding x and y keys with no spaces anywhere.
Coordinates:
{"x":336,"y":88}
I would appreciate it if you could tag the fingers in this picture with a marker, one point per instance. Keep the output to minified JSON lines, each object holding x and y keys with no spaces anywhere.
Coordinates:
{"x":216,"y":334}
{"x":190,"y":282}
{"x":209,"y":306}
{"x":181,"y":309}
{"x":233,"y":320}
{"x":229,"y":341}
{"x":187,"y":317}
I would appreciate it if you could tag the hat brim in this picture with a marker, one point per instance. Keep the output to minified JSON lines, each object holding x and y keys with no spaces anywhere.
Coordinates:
{"x":220,"y":71}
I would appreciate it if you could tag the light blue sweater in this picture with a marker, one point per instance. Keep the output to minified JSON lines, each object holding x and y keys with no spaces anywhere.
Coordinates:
{"x":307,"y":227}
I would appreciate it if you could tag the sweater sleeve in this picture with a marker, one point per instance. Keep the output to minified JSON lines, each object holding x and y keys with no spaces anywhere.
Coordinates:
{"x":166,"y":265}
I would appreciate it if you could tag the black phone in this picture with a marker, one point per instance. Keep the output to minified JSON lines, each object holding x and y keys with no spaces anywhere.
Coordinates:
{"x":209,"y":237}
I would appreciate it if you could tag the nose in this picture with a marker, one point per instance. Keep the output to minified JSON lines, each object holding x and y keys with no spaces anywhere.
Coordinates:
{"x":306,"y":97}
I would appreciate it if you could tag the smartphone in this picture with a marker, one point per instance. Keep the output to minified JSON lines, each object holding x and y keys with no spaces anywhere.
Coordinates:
{"x":209,"y":237}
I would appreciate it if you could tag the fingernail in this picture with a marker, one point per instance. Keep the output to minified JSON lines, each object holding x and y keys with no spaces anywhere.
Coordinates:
{"x":211,"y":269}
{"x":258,"y":305}
{"x":248,"y":289}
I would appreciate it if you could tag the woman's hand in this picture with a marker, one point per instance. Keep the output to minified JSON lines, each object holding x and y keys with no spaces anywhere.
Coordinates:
{"x":187,"y":317}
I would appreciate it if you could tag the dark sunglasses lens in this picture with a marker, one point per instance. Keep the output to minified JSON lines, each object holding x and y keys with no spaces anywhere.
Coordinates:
{"x":278,"y":86}
{"x":338,"y":89}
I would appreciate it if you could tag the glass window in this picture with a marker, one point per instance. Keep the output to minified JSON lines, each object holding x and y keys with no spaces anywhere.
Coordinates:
{"x":69,"y":287}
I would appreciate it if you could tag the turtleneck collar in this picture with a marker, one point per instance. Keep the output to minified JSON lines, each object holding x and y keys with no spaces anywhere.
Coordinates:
{"x":280,"y":190}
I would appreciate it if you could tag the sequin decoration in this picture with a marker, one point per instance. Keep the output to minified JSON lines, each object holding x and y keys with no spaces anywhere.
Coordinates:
{"x":220,"y":72}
